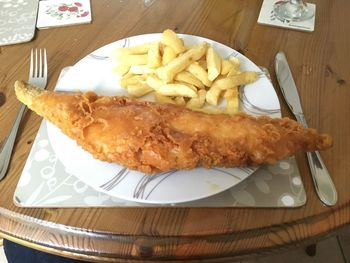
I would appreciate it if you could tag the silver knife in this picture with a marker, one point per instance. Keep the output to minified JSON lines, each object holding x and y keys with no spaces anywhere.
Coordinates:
{"x":323,"y":183}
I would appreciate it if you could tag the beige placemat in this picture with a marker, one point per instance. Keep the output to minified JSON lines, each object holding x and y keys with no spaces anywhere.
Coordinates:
{"x":46,"y":183}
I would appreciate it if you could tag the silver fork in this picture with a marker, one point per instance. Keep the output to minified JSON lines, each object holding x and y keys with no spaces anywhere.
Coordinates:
{"x":38,"y":78}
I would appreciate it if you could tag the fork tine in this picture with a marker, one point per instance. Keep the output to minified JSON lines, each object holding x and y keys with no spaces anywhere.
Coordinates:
{"x":45,"y":64}
{"x":36,"y":64}
{"x":40,"y":64}
{"x":31,"y":64}
{"x":38,"y":70}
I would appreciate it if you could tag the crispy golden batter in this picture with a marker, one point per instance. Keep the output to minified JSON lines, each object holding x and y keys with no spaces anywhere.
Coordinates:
{"x":152,"y":137}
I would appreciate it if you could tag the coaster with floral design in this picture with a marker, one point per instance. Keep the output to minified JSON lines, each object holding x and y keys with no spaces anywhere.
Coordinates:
{"x":63,"y":13}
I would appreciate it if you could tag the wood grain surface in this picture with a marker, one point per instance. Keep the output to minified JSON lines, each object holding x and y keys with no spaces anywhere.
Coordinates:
{"x":320,"y":62}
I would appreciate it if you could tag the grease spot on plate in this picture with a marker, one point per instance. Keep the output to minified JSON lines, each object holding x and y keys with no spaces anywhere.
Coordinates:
{"x":213,"y":187}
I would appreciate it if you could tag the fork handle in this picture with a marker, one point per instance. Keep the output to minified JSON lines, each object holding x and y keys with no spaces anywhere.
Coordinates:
{"x":6,"y":151}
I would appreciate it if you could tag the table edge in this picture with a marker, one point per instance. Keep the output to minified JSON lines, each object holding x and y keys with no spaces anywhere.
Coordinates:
{"x":46,"y":235}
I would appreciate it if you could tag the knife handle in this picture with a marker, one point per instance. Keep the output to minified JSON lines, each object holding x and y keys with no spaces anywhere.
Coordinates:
{"x":323,"y":183}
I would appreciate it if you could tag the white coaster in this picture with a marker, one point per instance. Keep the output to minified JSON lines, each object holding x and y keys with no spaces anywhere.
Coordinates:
{"x":267,"y":17}
{"x":53,"y":13}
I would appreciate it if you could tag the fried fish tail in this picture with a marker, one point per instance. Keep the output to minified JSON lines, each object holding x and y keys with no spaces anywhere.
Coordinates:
{"x":152,"y":137}
{"x":26,"y":93}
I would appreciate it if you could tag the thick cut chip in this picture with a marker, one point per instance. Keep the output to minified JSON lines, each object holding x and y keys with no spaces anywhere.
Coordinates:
{"x":199,"y":73}
{"x":242,"y":78}
{"x":226,"y":67}
{"x":213,"y":94}
{"x":177,"y":90}
{"x":141,"y":69}
{"x":139,"y":90}
{"x":196,"y":103}
{"x":178,"y":64}
{"x":231,"y":96}
{"x":189,"y":78}
{"x":133,"y":59}
{"x":131,"y":80}
{"x":213,"y":64}
{"x":154,"y":57}
{"x":170,"y":38}
{"x":163,"y":99}
{"x":134,"y":50}
{"x":168,"y":55}
{"x":154,"y":82}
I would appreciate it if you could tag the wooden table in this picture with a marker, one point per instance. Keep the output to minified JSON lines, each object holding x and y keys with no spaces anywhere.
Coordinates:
{"x":320,"y":62}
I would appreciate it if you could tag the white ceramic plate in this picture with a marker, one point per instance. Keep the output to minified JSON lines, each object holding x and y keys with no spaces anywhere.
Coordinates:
{"x":94,"y":72}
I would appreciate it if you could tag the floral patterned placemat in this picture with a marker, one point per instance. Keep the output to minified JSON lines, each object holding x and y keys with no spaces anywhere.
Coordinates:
{"x":17,"y":21}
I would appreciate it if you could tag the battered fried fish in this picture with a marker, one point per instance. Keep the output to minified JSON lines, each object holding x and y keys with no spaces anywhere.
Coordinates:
{"x":152,"y":137}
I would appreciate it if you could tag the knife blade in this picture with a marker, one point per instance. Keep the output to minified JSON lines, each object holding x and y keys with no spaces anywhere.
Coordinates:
{"x":323,"y":183}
